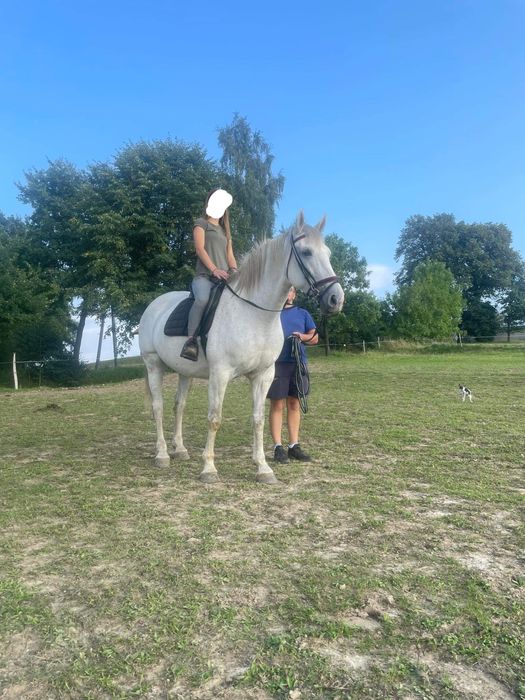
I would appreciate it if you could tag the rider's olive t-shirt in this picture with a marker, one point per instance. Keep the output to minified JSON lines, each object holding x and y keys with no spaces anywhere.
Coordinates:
{"x":215,"y":244}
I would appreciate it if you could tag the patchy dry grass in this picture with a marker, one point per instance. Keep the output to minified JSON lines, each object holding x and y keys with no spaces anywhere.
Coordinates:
{"x":391,"y":567}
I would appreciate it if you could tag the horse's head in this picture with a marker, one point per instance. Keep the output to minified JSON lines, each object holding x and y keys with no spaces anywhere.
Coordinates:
{"x":309,"y":267}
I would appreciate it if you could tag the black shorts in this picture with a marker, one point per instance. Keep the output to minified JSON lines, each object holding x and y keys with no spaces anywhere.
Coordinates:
{"x":284,"y":383}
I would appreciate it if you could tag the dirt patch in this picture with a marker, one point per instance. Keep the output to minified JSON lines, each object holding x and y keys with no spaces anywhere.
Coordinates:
{"x":380,"y":604}
{"x":340,"y":655}
{"x":363,"y":621}
{"x":498,"y":567}
{"x":472,"y":683}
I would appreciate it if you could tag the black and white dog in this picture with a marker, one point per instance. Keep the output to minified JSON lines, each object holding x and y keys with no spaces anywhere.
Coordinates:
{"x":465,"y":393}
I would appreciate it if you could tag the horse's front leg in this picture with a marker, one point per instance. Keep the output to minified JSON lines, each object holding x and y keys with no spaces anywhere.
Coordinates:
{"x":180,"y":402}
{"x":260,"y":385}
{"x":154,"y":378}
{"x":216,"y":389}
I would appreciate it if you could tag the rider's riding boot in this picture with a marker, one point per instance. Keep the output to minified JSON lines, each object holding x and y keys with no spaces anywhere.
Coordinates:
{"x":190,"y":349}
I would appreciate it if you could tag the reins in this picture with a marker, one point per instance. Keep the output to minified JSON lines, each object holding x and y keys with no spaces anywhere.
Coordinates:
{"x":251,"y":303}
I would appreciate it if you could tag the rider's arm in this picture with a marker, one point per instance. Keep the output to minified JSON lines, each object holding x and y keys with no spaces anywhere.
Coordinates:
{"x":232,"y":263}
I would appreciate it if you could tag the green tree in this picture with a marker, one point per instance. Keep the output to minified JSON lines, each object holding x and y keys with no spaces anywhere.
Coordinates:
{"x":430,"y":307}
{"x":143,"y":212}
{"x":362,"y":310}
{"x":480,"y":256}
{"x":481,"y":320}
{"x":61,"y":242}
{"x":119,"y":233}
{"x":513,"y":304}
{"x":247,"y":164}
{"x":35,"y":321}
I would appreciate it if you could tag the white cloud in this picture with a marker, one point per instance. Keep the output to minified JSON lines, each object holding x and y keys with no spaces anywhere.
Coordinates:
{"x":381,"y":279}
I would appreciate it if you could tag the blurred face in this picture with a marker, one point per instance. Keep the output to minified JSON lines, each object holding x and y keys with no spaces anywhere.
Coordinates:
{"x":218,"y":202}
{"x":291,"y":296}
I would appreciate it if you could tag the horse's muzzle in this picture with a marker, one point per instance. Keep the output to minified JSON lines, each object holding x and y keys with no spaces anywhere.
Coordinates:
{"x":331,"y":301}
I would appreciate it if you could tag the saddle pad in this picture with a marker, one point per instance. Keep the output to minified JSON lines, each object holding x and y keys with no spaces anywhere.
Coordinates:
{"x":177,"y":323}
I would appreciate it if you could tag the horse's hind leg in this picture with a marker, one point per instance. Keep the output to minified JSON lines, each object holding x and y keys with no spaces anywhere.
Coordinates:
{"x":180,"y":402}
{"x":155,"y":375}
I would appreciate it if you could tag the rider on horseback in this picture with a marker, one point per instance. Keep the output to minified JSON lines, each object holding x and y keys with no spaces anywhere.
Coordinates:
{"x":215,"y":261}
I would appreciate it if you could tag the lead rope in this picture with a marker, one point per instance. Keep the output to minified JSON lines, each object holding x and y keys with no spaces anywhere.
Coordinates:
{"x":301,"y":374}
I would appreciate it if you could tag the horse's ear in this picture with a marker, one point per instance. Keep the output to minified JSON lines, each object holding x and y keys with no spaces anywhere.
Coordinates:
{"x":299,"y":222}
{"x":320,"y":226}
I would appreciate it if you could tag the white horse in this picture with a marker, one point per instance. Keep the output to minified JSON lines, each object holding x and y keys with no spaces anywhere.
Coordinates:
{"x":245,"y":339}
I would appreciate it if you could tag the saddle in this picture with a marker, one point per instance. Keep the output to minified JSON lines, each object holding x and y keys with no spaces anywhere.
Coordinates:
{"x":177,"y":323}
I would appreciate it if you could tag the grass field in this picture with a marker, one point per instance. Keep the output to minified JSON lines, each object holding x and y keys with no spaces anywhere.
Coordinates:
{"x":391,"y":567}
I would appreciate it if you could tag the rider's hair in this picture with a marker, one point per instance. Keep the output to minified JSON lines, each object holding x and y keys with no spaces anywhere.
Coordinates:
{"x":224,"y":221}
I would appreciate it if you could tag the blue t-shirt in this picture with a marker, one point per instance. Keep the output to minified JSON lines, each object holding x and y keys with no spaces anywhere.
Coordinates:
{"x":294,"y":319}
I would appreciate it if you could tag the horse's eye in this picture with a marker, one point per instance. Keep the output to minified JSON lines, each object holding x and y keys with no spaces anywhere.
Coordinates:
{"x":306,"y":253}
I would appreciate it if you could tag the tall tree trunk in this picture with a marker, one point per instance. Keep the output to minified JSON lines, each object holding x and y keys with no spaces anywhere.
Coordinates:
{"x":80,"y":331}
{"x":102,"y":321}
{"x":114,"y":334}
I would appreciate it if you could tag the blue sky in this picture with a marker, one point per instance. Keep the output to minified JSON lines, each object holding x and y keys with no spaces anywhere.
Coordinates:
{"x":375,"y":111}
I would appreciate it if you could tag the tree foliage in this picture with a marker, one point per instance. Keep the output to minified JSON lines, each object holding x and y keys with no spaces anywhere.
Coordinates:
{"x":512,"y":303}
{"x":246,"y":165}
{"x":117,"y":234}
{"x":480,"y":257}
{"x":35,"y":320}
{"x":430,"y":306}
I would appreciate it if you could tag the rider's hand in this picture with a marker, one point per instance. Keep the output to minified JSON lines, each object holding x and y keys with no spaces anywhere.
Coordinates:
{"x":220,"y":274}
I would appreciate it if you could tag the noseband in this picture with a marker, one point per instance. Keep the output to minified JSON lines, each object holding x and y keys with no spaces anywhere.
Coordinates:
{"x":314,"y":289}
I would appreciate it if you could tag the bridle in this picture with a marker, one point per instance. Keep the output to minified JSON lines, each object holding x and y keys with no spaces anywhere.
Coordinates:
{"x":314,"y":290}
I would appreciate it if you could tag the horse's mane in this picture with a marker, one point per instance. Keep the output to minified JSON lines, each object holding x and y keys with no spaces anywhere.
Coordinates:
{"x":268,"y":252}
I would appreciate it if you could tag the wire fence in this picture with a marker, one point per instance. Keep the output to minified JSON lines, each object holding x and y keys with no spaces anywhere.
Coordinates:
{"x":350,"y":346}
{"x":35,"y":372}
{"x":399,"y":344}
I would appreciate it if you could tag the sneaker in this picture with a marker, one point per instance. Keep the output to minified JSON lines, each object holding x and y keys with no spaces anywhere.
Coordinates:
{"x":190,"y":349}
{"x":280,"y":455}
{"x":296,"y":452}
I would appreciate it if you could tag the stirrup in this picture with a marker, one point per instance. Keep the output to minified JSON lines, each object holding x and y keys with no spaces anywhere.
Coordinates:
{"x":190,"y":350}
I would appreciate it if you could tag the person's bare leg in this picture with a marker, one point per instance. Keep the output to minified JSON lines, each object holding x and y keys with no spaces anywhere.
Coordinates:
{"x":276,"y":419}
{"x":293,"y":419}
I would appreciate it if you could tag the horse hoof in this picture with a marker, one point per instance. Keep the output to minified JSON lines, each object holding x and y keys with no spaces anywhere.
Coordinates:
{"x":267,"y":478}
{"x":162,"y":461}
{"x":209,"y":477}
{"x":181,"y":455}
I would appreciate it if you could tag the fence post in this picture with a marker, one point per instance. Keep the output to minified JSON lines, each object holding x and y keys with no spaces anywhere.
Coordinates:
{"x":364,"y":346}
{"x":378,"y":343}
{"x":15,"y":375}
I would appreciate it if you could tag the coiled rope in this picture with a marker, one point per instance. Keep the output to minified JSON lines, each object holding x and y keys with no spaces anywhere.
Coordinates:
{"x":302,"y":376}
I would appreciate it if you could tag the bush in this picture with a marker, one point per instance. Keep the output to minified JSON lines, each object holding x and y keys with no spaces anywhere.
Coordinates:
{"x":62,"y":371}
{"x":113,"y":375}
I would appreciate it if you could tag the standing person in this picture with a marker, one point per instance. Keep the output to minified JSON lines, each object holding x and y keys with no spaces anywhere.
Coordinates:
{"x":284,"y":390}
{"x":215,"y":261}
